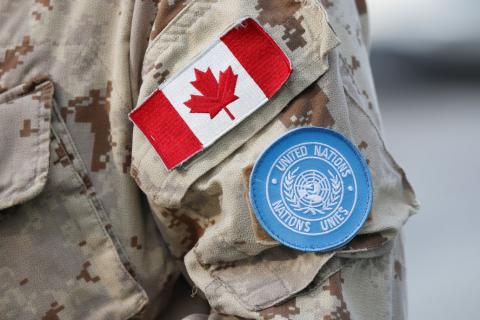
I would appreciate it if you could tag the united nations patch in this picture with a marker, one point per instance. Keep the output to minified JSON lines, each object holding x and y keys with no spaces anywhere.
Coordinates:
{"x":311,"y":189}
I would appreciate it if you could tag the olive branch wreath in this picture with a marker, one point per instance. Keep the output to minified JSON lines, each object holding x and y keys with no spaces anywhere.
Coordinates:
{"x":294,"y":201}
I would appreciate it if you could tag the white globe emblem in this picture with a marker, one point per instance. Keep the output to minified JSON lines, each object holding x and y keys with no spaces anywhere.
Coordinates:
{"x":312,"y":187}
{"x":311,"y":191}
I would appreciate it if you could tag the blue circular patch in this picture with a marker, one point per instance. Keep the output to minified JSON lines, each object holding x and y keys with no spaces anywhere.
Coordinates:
{"x":311,"y":189}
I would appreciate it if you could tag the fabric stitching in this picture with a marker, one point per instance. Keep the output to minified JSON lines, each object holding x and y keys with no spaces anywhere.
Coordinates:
{"x":28,"y":190}
{"x":96,"y":211}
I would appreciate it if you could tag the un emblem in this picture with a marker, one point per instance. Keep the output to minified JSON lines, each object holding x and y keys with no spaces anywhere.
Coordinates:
{"x":311,"y":189}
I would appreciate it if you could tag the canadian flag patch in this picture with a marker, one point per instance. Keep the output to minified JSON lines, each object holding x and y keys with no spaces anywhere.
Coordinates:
{"x":235,"y":76}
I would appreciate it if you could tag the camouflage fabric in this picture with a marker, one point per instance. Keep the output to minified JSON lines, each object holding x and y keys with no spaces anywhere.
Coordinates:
{"x":91,"y":224}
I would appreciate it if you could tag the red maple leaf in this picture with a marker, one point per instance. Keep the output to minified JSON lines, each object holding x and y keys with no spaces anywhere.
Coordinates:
{"x":215,"y":95}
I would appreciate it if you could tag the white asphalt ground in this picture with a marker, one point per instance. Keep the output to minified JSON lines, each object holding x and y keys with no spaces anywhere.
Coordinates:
{"x":433,"y":128}
{"x":434,"y":133}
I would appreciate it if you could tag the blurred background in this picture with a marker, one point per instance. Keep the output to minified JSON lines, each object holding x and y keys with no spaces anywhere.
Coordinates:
{"x":426,"y":63}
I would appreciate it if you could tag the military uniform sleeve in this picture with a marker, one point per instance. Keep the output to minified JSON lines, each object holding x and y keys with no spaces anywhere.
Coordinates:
{"x":203,"y":209}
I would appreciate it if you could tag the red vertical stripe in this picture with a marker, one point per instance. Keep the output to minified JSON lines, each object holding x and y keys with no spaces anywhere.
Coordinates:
{"x":258,"y":53}
{"x":166,"y":130}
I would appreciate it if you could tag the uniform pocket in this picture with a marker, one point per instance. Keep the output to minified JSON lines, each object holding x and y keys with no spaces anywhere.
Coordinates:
{"x":69,"y":252}
{"x":238,"y":266}
{"x":300,"y":29}
{"x":394,"y":197}
{"x":24,"y":142}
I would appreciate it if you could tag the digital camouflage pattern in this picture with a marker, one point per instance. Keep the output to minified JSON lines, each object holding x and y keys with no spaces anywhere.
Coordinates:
{"x":91,"y":224}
